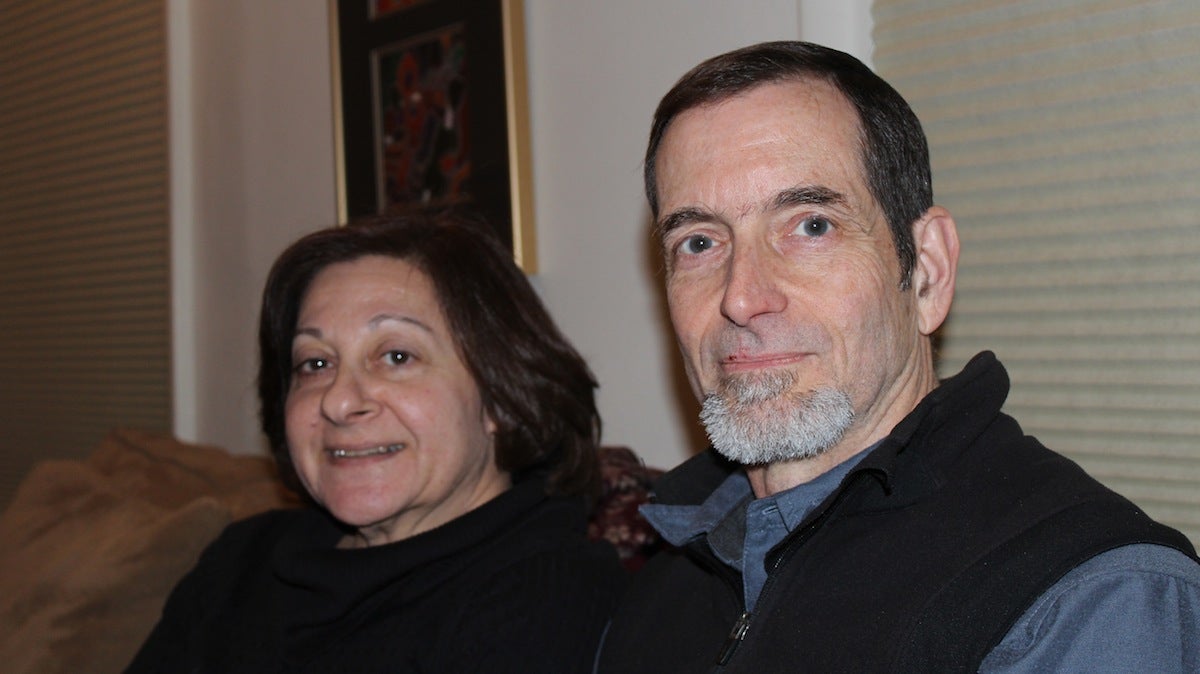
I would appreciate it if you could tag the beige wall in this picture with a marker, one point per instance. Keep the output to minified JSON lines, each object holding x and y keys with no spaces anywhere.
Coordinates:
{"x":253,"y":169}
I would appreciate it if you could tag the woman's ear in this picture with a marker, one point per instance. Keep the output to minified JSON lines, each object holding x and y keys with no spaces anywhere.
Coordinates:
{"x":936,"y":239}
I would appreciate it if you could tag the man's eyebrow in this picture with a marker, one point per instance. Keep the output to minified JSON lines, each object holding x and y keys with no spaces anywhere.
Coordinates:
{"x":815,"y":195}
{"x":681,"y":217}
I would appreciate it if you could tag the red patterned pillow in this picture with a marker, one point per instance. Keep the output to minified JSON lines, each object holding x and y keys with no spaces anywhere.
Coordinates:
{"x":626,"y":483}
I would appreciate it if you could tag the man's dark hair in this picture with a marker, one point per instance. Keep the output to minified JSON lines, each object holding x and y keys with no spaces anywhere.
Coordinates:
{"x":534,"y":385}
{"x":895,"y":154}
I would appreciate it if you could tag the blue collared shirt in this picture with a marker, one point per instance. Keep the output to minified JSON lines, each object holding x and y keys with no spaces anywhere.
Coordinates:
{"x":1132,"y":609}
{"x":767,"y":521}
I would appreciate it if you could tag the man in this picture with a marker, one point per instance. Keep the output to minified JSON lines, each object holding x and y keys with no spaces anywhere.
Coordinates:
{"x":858,"y":514}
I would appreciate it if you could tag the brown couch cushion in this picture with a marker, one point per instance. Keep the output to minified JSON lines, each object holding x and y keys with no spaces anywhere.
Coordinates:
{"x":90,"y":549}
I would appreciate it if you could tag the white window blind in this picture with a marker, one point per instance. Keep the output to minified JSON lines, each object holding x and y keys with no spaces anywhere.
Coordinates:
{"x":84,"y":287}
{"x":1065,"y":137}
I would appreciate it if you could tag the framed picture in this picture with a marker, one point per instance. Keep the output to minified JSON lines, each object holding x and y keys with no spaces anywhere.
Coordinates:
{"x":431,"y":103}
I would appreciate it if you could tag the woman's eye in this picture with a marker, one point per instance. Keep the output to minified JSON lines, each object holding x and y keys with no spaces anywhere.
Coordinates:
{"x":310,"y":365}
{"x":397,"y":357}
{"x":814,"y":226}
{"x":695,"y":244}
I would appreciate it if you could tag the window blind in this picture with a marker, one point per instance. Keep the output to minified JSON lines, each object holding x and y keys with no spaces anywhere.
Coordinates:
{"x":84,"y":279}
{"x":1065,"y":138}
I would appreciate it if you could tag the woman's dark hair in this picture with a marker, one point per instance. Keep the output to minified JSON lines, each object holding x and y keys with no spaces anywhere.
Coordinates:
{"x":534,"y":385}
{"x":895,"y":154}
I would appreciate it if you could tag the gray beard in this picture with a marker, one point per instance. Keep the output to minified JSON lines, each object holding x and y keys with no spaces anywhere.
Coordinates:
{"x":760,"y":420}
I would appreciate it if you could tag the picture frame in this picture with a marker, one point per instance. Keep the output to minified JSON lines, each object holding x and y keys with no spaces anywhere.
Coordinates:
{"x":431,"y":102}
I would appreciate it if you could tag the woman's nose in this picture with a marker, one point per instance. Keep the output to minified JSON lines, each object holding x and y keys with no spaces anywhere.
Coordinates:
{"x":348,"y":398}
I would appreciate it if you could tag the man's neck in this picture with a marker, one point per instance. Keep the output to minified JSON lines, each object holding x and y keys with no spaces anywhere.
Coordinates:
{"x":772,"y":478}
{"x":915,"y":379}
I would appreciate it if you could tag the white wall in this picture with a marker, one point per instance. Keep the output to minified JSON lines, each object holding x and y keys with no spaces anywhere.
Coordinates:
{"x":252,"y":158}
{"x":256,"y":171}
{"x":597,"y":70}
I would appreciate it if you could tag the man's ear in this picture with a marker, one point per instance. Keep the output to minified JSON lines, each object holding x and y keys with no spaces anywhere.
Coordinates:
{"x":936,"y":239}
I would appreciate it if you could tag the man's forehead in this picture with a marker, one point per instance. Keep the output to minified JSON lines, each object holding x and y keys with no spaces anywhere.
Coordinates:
{"x":807,"y":127}
{"x":801,"y":91}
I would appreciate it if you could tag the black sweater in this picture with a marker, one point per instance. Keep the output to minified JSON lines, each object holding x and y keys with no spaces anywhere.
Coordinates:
{"x":512,"y":586}
{"x":932,"y":546}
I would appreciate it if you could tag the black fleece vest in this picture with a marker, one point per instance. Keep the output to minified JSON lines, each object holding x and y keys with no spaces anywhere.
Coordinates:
{"x":920,"y":561}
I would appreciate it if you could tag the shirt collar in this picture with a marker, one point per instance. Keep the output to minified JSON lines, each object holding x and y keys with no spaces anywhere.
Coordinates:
{"x":796,"y":503}
{"x":679,"y":524}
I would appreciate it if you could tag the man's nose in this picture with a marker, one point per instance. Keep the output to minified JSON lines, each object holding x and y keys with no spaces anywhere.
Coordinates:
{"x":751,"y":287}
{"x":348,"y":398}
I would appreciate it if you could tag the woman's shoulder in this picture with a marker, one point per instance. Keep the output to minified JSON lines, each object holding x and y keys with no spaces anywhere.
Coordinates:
{"x":259,"y":533}
{"x":265,"y":523}
{"x":548,"y":551}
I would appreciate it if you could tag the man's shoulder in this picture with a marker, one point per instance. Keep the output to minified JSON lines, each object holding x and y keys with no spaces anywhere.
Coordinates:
{"x":673,"y":617}
{"x":1140,"y":567}
{"x":694,"y":480}
{"x":1134,"y":606}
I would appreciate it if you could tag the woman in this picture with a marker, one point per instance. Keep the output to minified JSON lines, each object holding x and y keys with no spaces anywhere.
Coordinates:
{"x":445,"y":433}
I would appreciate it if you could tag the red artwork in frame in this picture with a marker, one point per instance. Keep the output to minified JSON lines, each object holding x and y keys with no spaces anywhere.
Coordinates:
{"x":422,"y":120}
{"x":381,"y":8}
{"x":432,"y":104}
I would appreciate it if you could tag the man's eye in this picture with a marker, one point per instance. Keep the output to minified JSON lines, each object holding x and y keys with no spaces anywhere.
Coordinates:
{"x":814,"y":226}
{"x":695,"y":244}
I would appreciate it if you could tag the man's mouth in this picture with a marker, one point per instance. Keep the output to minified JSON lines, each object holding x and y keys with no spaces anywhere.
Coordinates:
{"x":370,"y":451}
{"x":735,"y":362}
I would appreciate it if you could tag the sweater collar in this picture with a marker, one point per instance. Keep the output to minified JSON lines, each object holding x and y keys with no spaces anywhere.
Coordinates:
{"x":334,"y":588}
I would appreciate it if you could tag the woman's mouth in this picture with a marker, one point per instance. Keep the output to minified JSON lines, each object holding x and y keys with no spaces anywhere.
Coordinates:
{"x":370,"y":451}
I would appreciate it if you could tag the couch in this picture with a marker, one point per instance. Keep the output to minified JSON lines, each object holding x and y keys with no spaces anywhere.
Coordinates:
{"x":91,"y":548}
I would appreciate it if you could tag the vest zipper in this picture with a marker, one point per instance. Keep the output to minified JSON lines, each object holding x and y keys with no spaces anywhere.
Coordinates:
{"x":734,"y":639}
{"x":793,"y":542}
{"x":786,"y":549}
{"x":699,"y":554}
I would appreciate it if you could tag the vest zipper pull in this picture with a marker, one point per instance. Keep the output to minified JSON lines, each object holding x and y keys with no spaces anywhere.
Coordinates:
{"x":735,"y":638}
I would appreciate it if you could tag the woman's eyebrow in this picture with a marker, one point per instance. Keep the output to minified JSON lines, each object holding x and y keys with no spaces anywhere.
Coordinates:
{"x":380,"y":319}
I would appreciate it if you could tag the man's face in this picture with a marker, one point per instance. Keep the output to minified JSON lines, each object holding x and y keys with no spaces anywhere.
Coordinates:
{"x":782,"y":278}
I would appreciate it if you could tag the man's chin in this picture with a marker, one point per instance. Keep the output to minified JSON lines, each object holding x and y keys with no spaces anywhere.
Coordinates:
{"x":780,"y":428}
{"x":761,"y":455}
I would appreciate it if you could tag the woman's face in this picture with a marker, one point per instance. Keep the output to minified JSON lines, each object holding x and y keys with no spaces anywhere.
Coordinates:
{"x":385,"y":425}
